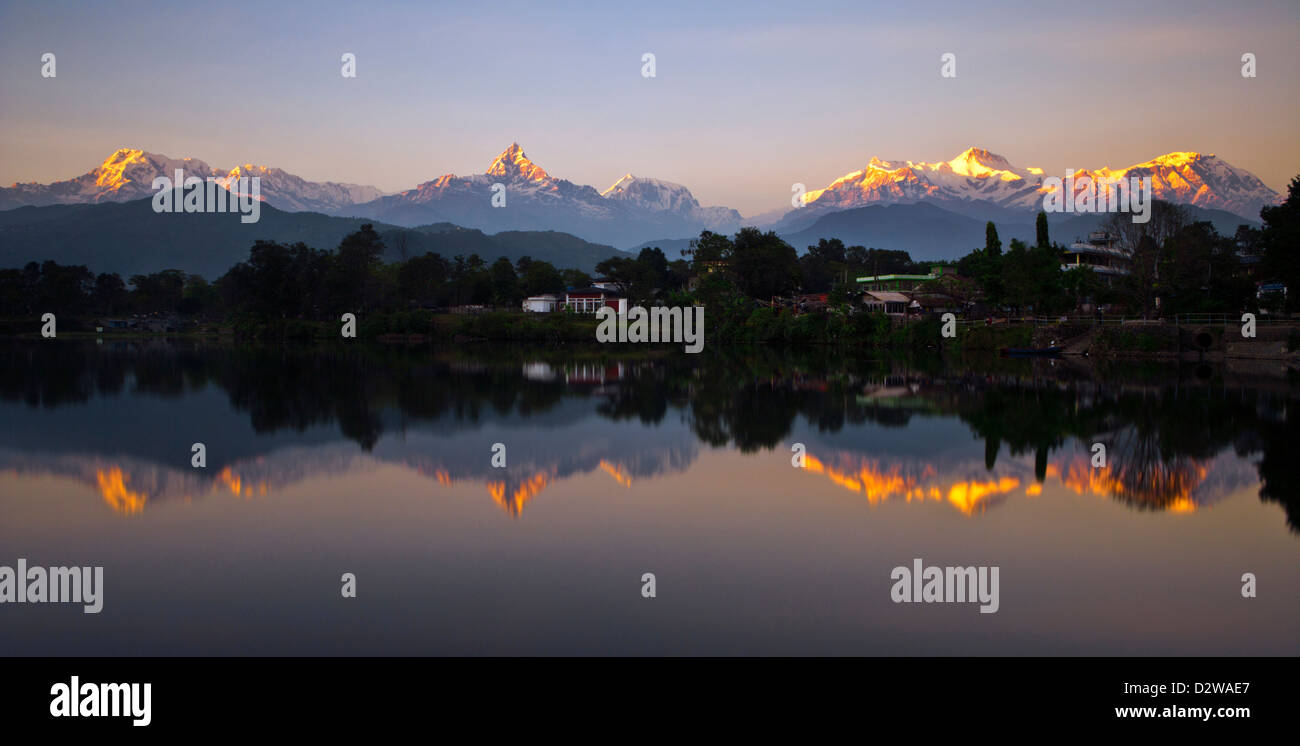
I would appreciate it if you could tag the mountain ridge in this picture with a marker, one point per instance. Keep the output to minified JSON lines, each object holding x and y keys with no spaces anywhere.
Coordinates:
{"x":977,"y":183}
{"x":128,"y":173}
{"x":530,"y":198}
{"x":980,"y":182}
{"x":130,"y":238}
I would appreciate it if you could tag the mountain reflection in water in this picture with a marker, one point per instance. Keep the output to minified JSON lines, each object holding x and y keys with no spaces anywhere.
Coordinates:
{"x":118,"y":417}
{"x":377,"y":461}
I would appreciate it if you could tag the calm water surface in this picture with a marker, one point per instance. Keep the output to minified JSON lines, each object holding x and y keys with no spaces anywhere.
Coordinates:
{"x":377,"y":461}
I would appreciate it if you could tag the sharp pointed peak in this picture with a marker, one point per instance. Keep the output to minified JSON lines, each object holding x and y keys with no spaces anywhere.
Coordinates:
{"x":513,"y":162}
{"x":982,"y":156}
{"x":122,"y":155}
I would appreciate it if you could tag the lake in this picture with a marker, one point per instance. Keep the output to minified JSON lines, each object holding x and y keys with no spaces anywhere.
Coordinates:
{"x":379,"y":461}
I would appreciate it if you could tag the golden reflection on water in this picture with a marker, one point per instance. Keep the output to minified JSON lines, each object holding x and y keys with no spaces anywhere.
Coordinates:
{"x":112,"y":487}
{"x":1162,"y":486}
{"x":1165,"y":486}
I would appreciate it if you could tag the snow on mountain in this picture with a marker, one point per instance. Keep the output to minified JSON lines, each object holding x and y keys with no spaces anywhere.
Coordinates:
{"x":289,"y":192}
{"x":979,"y":178}
{"x":976,"y":183}
{"x":656,"y":195}
{"x":125,"y":175}
{"x":467,"y":200}
{"x":128,"y":174}
{"x":514,"y":165}
{"x":1202,"y":180}
{"x":975,"y":174}
{"x":632,"y":210}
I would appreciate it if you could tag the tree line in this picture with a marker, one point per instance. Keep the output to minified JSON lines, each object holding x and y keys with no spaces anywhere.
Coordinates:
{"x":287,"y":281}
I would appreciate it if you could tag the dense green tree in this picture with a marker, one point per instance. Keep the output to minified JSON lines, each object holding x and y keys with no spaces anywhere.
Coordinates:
{"x":1018,"y":280}
{"x":159,"y":292}
{"x":985,"y":267}
{"x":1279,"y":240}
{"x":15,"y":300}
{"x":352,"y":282}
{"x":538,"y":278}
{"x":110,"y":295}
{"x":655,"y":266}
{"x":575,"y":278}
{"x":628,"y":275}
{"x":278,"y":281}
{"x":709,"y":247}
{"x":1200,"y":273}
{"x":881,"y":262}
{"x":63,"y":288}
{"x":823,"y":265}
{"x":1082,"y":285}
{"x":420,"y":280}
{"x":763,"y":264}
{"x":198,"y":296}
{"x":505,"y":284}
{"x":992,"y":245}
{"x":1031,"y":278}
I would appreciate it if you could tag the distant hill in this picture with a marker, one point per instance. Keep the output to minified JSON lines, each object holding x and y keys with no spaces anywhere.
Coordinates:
{"x":921,"y":229}
{"x":1074,"y":227}
{"x":930,"y":232}
{"x":130,"y":238}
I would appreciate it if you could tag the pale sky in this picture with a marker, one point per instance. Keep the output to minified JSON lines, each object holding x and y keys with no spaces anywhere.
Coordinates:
{"x":748,"y":97}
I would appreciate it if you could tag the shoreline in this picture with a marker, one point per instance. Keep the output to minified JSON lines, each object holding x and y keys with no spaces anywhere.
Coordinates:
{"x":1154,"y":341}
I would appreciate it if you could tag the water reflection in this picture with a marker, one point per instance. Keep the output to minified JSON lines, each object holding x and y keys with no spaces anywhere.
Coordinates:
{"x":120,"y":418}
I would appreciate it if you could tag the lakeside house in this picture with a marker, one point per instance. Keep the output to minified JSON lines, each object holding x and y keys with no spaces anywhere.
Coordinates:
{"x":1102,"y":253}
{"x":577,"y":300}
{"x":899,"y":282}
{"x":887,"y":301}
{"x":592,"y":299}
{"x":909,"y":295}
{"x":541,"y":303}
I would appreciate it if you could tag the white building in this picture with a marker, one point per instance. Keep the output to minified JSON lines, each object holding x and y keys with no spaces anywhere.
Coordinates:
{"x":541,"y":303}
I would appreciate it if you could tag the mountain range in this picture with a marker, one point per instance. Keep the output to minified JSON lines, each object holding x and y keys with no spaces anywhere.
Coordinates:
{"x":128,"y":174}
{"x":986,"y":186}
{"x":631,"y":210}
{"x":935,"y":210}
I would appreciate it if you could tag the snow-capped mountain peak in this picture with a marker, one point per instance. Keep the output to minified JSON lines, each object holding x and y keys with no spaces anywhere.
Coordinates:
{"x":978,"y":162}
{"x":624,"y":182}
{"x":653,"y":194}
{"x":633,"y":210}
{"x":128,"y":174}
{"x":665,"y":197}
{"x":979,"y":176}
{"x":290,"y":192}
{"x":1200,"y":179}
{"x":514,"y":164}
